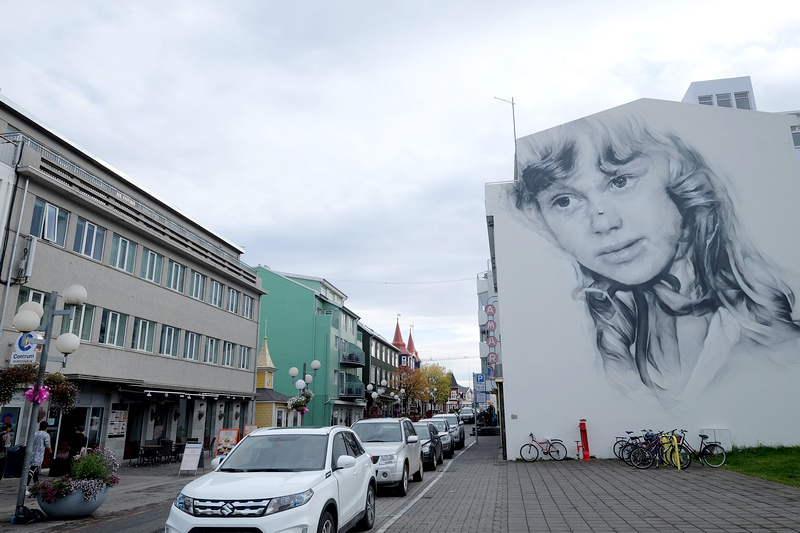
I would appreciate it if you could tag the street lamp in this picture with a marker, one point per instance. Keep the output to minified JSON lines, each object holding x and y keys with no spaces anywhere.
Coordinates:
{"x":301,"y":384}
{"x":26,"y":320}
{"x":307,"y":378}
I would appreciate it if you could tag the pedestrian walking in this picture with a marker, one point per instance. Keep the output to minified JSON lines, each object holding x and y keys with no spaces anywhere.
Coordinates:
{"x":41,"y":442}
{"x":5,"y":444}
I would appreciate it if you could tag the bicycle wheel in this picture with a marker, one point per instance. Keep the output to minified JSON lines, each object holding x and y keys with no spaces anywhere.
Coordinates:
{"x":686,"y":457}
{"x":713,"y":455}
{"x":618,"y":448}
{"x":642,"y":458}
{"x":626,"y":452}
{"x":557,"y":451}
{"x":529,"y":452}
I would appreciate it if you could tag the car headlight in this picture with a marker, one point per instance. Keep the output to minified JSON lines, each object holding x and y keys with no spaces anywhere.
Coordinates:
{"x":283,"y":503}
{"x":388,"y":459}
{"x":426,"y":448}
{"x":185,"y":503}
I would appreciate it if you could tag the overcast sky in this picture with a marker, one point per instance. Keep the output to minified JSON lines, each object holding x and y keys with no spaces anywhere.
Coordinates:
{"x":351,"y":140}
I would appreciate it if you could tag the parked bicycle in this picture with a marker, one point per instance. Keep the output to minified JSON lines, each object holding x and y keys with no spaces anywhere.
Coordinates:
{"x":552,"y":447}
{"x":709,"y":453}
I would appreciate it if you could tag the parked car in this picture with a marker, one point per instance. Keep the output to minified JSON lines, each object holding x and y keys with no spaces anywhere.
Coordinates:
{"x":467,"y":415}
{"x":456,"y":429}
{"x":395,"y":449}
{"x":432,"y":453}
{"x":443,"y":428}
{"x":299,"y":479}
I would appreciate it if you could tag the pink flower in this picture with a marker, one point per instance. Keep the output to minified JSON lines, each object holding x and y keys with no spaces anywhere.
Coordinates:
{"x":37,"y":394}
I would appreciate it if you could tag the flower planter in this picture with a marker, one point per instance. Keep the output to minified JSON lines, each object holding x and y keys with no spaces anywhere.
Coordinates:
{"x":73,"y":505}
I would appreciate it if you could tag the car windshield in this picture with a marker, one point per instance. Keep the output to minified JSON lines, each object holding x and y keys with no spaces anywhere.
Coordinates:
{"x":440,"y":424}
{"x":379,"y":432}
{"x":422,"y":431}
{"x":466,"y":411}
{"x":453,"y":419}
{"x":278,"y":453}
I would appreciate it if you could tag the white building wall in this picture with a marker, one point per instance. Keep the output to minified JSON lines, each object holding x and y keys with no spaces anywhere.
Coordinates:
{"x":552,"y":370}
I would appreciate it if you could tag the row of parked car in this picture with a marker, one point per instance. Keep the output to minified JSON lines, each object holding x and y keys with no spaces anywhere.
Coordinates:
{"x":313,"y":479}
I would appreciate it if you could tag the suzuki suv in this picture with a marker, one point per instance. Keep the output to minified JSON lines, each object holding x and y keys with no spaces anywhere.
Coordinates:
{"x":281,"y":479}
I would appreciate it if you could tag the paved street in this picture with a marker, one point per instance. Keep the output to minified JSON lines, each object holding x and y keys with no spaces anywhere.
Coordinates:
{"x":477,"y":491}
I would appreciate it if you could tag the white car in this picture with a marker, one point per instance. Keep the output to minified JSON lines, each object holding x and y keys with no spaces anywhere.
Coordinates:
{"x":395,"y":448}
{"x":283,"y":479}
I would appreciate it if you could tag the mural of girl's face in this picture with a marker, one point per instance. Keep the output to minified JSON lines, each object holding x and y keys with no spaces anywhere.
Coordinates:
{"x":615,"y":219}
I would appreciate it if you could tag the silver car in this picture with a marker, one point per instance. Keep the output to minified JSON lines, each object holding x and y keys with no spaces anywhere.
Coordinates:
{"x":456,"y":429}
{"x":395,"y":449}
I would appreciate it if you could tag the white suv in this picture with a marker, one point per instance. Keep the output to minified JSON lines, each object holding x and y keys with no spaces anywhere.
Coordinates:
{"x":298,"y":479}
{"x":395,"y":449}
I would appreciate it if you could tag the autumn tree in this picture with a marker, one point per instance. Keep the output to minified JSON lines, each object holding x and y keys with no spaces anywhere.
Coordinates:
{"x":437,"y":377}
{"x":413,"y":381}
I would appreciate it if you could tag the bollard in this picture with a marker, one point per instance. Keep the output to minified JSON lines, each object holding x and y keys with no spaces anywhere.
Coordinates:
{"x":584,"y":446}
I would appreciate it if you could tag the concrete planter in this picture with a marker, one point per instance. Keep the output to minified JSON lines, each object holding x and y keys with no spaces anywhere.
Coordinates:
{"x":73,"y":505}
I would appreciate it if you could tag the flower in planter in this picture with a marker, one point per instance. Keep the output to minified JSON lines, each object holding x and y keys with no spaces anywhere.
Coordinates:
{"x":301,"y":401}
{"x":91,"y":473}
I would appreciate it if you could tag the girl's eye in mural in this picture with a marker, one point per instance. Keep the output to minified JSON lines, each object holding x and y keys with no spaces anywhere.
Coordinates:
{"x":620,"y":182}
{"x":561,"y":201}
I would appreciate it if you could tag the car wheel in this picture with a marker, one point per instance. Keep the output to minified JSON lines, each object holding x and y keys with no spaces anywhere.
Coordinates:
{"x":402,"y":487}
{"x":418,"y":475}
{"x":368,"y":520}
{"x":326,"y":524}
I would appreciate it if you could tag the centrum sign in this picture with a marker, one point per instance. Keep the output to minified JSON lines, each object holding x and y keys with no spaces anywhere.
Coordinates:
{"x":24,"y":351}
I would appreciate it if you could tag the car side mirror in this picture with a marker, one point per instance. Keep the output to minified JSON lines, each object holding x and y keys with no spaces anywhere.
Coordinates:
{"x":345,"y":461}
{"x":216,"y":461}
{"x":412,"y":438}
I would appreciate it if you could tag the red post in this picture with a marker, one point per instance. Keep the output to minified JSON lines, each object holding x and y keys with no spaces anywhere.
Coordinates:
{"x":584,"y":440}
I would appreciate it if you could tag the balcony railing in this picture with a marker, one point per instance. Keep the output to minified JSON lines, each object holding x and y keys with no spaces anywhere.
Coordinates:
{"x":350,"y":389}
{"x":351,"y":354}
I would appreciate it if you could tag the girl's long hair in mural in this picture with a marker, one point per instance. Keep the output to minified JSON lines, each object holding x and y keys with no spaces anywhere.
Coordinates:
{"x":637,"y":326}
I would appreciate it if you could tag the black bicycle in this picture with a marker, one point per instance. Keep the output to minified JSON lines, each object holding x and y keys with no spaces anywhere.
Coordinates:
{"x":709,"y":453}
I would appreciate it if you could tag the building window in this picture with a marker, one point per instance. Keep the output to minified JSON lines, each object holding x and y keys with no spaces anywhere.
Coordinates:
{"x":29,"y":295}
{"x":796,"y":136}
{"x":244,"y":357}
{"x":705,"y":100}
{"x":247,"y":306}
{"x":169,"y":341}
{"x":215,"y":293}
{"x":112,"y":328}
{"x":211,"y":351}
{"x":175,"y":274}
{"x":191,"y":348}
{"x":49,"y":222}
{"x":742,"y":100}
{"x":151,"y":265}
{"x":228,"y":353}
{"x":724,"y":100}
{"x":123,"y":254}
{"x":233,"y":300}
{"x":81,"y":323}
{"x":89,"y":239}
{"x":143,"y":333}
{"x":198,"y":284}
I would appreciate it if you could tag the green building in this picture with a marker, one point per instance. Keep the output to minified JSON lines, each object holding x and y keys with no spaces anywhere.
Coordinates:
{"x":305,"y":320}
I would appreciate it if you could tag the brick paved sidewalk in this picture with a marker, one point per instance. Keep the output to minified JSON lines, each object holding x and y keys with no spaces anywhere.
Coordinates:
{"x":479,"y":492}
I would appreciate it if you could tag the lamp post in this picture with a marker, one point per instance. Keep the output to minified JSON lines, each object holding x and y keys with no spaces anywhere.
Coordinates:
{"x":26,"y":320}
{"x":302,"y":384}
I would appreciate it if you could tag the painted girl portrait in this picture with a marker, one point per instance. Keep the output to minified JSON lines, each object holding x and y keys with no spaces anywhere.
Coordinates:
{"x":670,"y":281}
